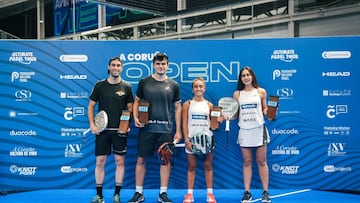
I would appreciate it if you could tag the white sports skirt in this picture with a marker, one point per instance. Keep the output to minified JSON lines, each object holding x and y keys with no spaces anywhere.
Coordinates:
{"x":254,"y":137}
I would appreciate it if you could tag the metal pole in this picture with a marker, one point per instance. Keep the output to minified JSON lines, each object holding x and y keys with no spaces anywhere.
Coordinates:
{"x":74,"y":20}
{"x":40,"y":19}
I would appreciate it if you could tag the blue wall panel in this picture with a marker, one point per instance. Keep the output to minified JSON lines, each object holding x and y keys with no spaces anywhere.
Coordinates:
{"x":45,"y":87}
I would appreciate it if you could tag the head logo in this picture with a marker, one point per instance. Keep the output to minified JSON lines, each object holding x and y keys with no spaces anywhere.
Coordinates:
{"x":73,"y":77}
{"x":336,"y":74}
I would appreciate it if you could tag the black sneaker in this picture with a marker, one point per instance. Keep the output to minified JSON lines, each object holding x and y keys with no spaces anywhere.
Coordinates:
{"x":265,"y":197}
{"x":247,"y":197}
{"x":163,"y":198}
{"x":137,"y":198}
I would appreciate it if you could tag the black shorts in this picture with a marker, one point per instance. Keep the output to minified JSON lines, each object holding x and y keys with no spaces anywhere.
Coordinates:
{"x":110,"y":141}
{"x":149,"y":142}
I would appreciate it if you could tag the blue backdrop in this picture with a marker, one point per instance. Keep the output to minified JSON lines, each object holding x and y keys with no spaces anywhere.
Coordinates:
{"x":45,"y":87}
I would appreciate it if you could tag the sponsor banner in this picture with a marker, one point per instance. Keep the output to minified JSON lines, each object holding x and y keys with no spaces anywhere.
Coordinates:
{"x":46,"y":87}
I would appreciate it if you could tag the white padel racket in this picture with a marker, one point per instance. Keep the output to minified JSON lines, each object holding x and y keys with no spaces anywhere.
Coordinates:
{"x":101,"y":122}
{"x":229,"y":109}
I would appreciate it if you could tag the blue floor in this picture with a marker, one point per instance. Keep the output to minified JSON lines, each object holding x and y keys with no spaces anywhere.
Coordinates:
{"x":222,"y":196}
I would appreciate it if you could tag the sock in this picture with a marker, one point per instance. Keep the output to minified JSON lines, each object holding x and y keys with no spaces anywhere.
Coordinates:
{"x":117,"y":188}
{"x":190,"y":191}
{"x":163,"y":189}
{"x":99,"y":188}
{"x":139,"y":189}
{"x":210,"y":190}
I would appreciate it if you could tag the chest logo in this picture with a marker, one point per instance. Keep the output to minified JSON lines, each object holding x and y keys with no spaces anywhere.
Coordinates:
{"x":120,"y":93}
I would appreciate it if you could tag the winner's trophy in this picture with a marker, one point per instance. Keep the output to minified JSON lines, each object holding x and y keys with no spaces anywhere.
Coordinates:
{"x":273,"y":104}
{"x":124,"y":122}
{"x":144,"y":112}
{"x":214,"y":114}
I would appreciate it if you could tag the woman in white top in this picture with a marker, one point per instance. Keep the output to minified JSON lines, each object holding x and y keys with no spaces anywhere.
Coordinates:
{"x":253,"y":135}
{"x":198,"y":138}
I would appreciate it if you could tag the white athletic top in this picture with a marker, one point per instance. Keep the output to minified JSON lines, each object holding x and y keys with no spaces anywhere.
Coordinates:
{"x":252,"y":132}
{"x":250,"y":113}
{"x":199,"y":118}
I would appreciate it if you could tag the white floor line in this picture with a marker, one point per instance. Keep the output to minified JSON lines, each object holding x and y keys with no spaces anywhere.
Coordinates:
{"x":285,"y":194}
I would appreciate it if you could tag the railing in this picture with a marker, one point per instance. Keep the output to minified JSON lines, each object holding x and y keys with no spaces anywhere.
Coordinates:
{"x":187,"y":24}
{"x":227,"y":18}
{"x":6,"y":35}
{"x":241,"y":16}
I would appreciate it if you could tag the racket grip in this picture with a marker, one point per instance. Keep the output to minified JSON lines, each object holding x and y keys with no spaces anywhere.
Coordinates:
{"x":180,"y":145}
{"x":227,"y":126}
{"x":86,"y":131}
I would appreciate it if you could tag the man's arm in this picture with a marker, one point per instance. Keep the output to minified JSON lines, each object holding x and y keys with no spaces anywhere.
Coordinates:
{"x":135,"y":111}
{"x":90,"y":115}
{"x":178,"y":135}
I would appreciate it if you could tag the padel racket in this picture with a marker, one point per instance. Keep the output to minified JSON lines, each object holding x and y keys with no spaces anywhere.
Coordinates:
{"x":229,"y":109}
{"x":101,"y":122}
{"x":176,"y":152}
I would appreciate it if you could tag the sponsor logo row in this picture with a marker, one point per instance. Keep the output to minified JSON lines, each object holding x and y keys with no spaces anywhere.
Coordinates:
{"x":24,"y":77}
{"x":75,"y":150}
{"x":70,"y":150}
{"x":296,"y":169}
{"x":32,"y":170}
{"x":25,"y":95}
{"x":276,"y":168}
{"x":333,"y":149}
{"x":69,"y":113}
{"x":328,"y":130}
{"x":285,"y":55}
{"x":332,"y":110}
{"x":67,"y":132}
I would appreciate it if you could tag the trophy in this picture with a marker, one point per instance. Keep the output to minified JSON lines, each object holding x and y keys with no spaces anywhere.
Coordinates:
{"x":273,"y":104}
{"x":144,"y":112}
{"x":214,"y":114}
{"x":124,"y":122}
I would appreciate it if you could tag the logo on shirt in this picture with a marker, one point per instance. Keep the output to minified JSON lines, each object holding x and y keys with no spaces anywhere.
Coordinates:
{"x":120,"y":93}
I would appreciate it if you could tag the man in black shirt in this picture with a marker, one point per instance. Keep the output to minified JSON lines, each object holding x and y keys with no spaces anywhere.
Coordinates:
{"x":113,"y":95}
{"x":163,"y":94}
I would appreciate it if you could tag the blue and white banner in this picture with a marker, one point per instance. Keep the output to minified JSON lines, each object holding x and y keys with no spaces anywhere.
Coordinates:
{"x":315,"y":142}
